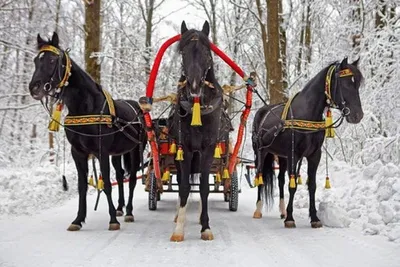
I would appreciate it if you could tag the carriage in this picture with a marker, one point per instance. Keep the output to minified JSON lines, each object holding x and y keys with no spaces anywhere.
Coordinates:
{"x":162,"y":175}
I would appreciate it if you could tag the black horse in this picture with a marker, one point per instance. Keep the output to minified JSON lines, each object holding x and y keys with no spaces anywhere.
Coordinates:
{"x":197,"y":143}
{"x":301,"y":133}
{"x":96,"y":124}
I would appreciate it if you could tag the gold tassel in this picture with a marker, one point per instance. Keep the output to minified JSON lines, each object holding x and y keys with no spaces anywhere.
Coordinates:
{"x":327,"y":183}
{"x":172,"y":147}
{"x":179,"y":154}
{"x":218,"y":177}
{"x":196,"y":115}
{"x":100,"y":183}
{"x":299,"y":180}
{"x":225,"y":174}
{"x":91,"y":181}
{"x":54,"y":124}
{"x":329,"y":131}
{"x":217,"y":151}
{"x":166,"y":175}
{"x":260,"y":179}
{"x":292,"y":182}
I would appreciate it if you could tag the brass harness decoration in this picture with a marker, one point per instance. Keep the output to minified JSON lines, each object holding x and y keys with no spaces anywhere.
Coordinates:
{"x":313,"y":125}
{"x":82,"y":119}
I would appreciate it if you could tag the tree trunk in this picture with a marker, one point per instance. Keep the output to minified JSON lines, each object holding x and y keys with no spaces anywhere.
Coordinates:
{"x":274,"y":71}
{"x":282,"y":43}
{"x":265,"y":46}
{"x":92,"y":40}
{"x":307,"y":39}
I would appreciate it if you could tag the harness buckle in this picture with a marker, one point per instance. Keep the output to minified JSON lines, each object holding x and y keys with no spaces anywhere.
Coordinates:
{"x":47,"y":87}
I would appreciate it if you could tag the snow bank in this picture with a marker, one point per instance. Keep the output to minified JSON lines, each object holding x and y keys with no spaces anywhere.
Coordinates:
{"x":24,"y":191}
{"x":365,"y":198}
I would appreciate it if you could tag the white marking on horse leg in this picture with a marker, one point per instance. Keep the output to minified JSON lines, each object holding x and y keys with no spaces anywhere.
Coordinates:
{"x":259,"y":206}
{"x":282,"y":207}
{"x":180,"y":222}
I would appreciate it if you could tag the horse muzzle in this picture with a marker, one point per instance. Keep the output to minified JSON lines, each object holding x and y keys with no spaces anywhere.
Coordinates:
{"x":36,"y":90}
{"x":354,"y":116}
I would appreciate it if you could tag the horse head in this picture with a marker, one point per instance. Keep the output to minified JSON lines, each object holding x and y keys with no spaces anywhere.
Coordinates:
{"x":196,"y":58}
{"x":347,"y":95}
{"x":52,"y":69}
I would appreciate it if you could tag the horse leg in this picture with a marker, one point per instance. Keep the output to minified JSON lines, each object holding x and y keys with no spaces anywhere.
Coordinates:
{"x":81,"y":163}
{"x":119,"y":172}
{"x":134,"y":159}
{"x":259,"y":164}
{"x":184,"y":189}
{"x":289,"y":221}
{"x":281,"y":179}
{"x":313,"y":162}
{"x":178,"y":180}
{"x":105,"y":171}
{"x":206,"y":161}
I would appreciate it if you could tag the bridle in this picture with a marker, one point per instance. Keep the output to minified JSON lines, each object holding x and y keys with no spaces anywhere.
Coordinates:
{"x":334,"y":70}
{"x":48,"y":86}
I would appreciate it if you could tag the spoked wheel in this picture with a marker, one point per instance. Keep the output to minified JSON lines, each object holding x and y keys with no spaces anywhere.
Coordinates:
{"x":234,"y":192}
{"x":153,"y":192}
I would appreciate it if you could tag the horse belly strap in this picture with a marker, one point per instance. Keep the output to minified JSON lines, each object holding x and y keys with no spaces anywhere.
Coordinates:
{"x":88,"y":120}
{"x":305,"y":125}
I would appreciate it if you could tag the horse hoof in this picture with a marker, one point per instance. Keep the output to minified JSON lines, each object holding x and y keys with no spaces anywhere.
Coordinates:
{"x":129,"y":218}
{"x":74,"y":227}
{"x":120,"y":213}
{"x":114,"y":226}
{"x":290,"y":224}
{"x":316,"y":224}
{"x":207,"y":235}
{"x":176,"y":219}
{"x":283,"y":216}
{"x":176,"y":237}
{"x":257,"y":215}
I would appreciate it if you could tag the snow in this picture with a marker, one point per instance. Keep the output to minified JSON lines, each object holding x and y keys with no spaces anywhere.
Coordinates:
{"x":361,"y":217}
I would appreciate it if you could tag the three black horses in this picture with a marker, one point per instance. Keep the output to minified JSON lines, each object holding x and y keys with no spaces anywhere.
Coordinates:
{"x":299,"y":133}
{"x":96,"y":124}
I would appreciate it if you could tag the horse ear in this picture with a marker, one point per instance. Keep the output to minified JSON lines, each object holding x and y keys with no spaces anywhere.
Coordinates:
{"x":355,"y":63}
{"x":54,"y":39}
{"x":206,"y":28}
{"x":344,"y":63}
{"x":40,"y":41}
{"x":183,"y":27}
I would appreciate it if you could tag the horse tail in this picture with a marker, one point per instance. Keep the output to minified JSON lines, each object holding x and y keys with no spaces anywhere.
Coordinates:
{"x":268,"y":175}
{"x":127,"y":162}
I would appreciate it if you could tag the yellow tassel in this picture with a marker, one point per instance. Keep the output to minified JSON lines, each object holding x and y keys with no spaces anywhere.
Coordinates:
{"x":260,"y":179}
{"x":166,"y":175}
{"x":54,"y":124}
{"x":299,"y":180}
{"x":196,"y":115}
{"x":91,"y":181}
{"x":329,"y":132}
{"x":100,"y":183}
{"x":179,"y":154}
{"x":225,"y":174}
{"x":327,"y":183}
{"x":218,"y":177}
{"x":217,"y":151}
{"x":292,"y":182}
{"x":172,"y":147}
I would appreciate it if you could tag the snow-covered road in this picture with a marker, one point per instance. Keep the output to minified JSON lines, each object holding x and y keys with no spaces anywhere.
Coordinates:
{"x":240,"y":240}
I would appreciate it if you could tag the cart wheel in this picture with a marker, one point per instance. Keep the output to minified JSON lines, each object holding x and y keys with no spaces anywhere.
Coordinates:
{"x":234,"y":193}
{"x":153,"y":192}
